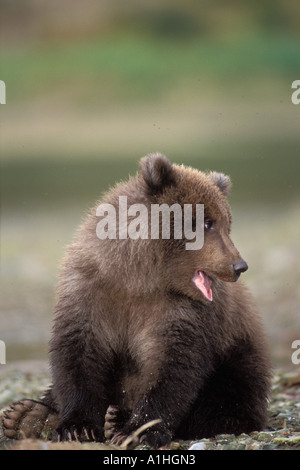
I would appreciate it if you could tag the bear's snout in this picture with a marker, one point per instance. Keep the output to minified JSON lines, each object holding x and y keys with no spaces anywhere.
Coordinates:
{"x":240,"y":267}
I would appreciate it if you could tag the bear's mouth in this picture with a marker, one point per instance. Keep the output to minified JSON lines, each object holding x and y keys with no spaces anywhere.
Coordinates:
{"x":203,"y":282}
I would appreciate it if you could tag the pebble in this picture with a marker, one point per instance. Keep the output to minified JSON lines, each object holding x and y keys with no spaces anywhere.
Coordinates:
{"x":198,"y":446}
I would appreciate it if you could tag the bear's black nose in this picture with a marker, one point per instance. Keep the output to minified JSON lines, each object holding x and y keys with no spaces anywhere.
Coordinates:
{"x":239,"y":267}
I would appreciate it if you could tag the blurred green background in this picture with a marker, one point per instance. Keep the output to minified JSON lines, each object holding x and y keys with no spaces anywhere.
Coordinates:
{"x":93,"y":86}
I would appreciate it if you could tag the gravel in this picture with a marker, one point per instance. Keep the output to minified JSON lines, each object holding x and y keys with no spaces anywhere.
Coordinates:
{"x":30,"y":379}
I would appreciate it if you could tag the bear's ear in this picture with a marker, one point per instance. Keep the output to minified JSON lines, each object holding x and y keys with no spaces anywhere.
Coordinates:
{"x":157,"y":171}
{"x":221,"y":181}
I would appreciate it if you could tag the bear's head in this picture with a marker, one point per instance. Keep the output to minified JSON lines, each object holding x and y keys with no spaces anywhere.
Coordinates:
{"x":193,"y":272}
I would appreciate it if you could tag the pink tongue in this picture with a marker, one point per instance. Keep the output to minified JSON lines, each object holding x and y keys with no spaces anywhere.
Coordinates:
{"x":203,"y":283}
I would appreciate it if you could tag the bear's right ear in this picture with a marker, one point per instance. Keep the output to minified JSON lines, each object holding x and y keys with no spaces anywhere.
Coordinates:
{"x":157,"y":171}
{"x":221,"y":181}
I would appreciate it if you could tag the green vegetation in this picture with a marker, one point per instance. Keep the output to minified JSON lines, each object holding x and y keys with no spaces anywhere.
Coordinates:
{"x":116,"y":71}
{"x":142,"y":68}
{"x":271,"y":175}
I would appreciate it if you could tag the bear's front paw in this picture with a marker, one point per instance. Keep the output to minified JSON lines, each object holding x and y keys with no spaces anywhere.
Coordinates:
{"x":82,"y":432}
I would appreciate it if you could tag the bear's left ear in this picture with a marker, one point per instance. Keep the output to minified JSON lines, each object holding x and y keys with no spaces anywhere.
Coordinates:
{"x":221,"y":181}
{"x":157,"y":171}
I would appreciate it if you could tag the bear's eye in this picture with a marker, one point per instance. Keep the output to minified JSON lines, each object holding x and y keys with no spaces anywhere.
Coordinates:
{"x":208,"y":224}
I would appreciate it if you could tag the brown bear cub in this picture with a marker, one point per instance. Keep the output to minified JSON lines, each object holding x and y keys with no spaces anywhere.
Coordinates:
{"x":156,"y":330}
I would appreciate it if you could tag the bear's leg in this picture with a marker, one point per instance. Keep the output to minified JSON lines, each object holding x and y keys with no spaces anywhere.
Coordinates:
{"x":234,"y":400}
{"x":82,"y":379}
{"x":83,"y":402}
{"x":165,"y":402}
{"x":115,"y":418}
{"x":82,"y":360}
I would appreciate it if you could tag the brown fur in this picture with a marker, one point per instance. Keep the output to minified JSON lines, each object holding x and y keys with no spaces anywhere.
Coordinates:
{"x":132,"y":330}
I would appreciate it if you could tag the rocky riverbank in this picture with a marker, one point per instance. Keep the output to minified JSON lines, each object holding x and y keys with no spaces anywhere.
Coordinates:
{"x":29,"y":380}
